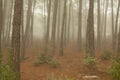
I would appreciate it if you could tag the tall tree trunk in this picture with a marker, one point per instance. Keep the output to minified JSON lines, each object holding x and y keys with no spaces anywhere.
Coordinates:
{"x":16,"y":35}
{"x":118,"y":45}
{"x":9,"y":22}
{"x":62,"y":30}
{"x":1,"y":21}
{"x":28,"y":22}
{"x":112,"y":17}
{"x":102,"y":24}
{"x":73,"y":25}
{"x":59,"y":21}
{"x":54,"y":28}
{"x":79,"y":43}
{"x":48,"y":27}
{"x":65,"y":28}
{"x":105,"y":24}
{"x":69,"y":22}
{"x":22,"y":54}
{"x":27,"y":29}
{"x":4,"y":18}
{"x":98,"y":26}
{"x":116,"y":26}
{"x":32,"y":22}
{"x":90,"y":31}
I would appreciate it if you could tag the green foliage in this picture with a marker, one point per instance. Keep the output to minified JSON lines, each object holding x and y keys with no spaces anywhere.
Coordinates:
{"x":1,"y":65}
{"x":41,"y":59}
{"x":0,"y":58}
{"x":36,"y":62}
{"x":114,"y":70}
{"x":90,"y":62}
{"x":107,"y":55}
{"x":8,"y":73}
{"x":53,"y":63}
{"x":44,"y":59}
{"x":52,"y":77}
{"x":6,"y":70}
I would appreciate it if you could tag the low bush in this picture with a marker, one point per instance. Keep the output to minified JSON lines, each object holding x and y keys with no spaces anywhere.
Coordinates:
{"x":44,"y":59}
{"x":107,"y":55}
{"x":90,"y":62}
{"x":6,"y":70}
{"x":53,"y":63}
{"x":114,"y":70}
{"x":41,"y":59}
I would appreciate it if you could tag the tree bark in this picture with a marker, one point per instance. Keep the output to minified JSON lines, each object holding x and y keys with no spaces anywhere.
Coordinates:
{"x":26,"y":34}
{"x":116,"y":26}
{"x":48,"y":27}
{"x":98,"y":26}
{"x":80,"y":26}
{"x":69,"y":23}
{"x":16,"y":35}
{"x":90,"y":31}
{"x":112,"y":17}
{"x":105,"y":23}
{"x":54,"y":28}
{"x":62,"y":30}
{"x":1,"y":22}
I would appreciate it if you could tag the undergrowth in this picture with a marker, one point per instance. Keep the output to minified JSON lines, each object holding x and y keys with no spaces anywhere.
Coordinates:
{"x":114,"y":70}
{"x":6,"y":70}
{"x":44,"y":59}
{"x":107,"y":55}
{"x":90,"y":62}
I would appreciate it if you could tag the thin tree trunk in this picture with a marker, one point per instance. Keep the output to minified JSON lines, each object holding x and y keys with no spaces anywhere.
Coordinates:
{"x":69,"y":22}
{"x":79,"y":43}
{"x":118,"y":46}
{"x":27,"y":29}
{"x":102,"y":24}
{"x":105,"y":25}
{"x":28,"y":23}
{"x":48,"y":27}
{"x":112,"y":17}
{"x":62,"y":30}
{"x":9,"y":22}
{"x":116,"y":26}
{"x":1,"y":23}
{"x":59,"y":21}
{"x":32,"y":22}
{"x":98,"y":26}
{"x":54,"y":28}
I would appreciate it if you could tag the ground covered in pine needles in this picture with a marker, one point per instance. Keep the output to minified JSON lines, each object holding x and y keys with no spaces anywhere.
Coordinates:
{"x":71,"y":66}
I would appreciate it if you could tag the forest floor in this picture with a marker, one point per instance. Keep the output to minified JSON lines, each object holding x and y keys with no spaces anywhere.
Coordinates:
{"x":71,"y":66}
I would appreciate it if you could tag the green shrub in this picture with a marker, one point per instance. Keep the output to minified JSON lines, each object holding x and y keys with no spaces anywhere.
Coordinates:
{"x":53,"y":63}
{"x":114,"y":70}
{"x":44,"y":59}
{"x":107,"y":55}
{"x":8,"y":73}
{"x":36,"y":62}
{"x":41,"y":59}
{"x":6,"y":70}
{"x":1,"y":65}
{"x":90,"y":62}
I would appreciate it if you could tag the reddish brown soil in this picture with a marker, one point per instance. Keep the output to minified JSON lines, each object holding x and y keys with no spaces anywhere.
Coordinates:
{"x":71,"y":66}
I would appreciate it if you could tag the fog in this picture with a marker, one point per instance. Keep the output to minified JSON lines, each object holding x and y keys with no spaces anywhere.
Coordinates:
{"x":59,"y":39}
{"x":39,"y":17}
